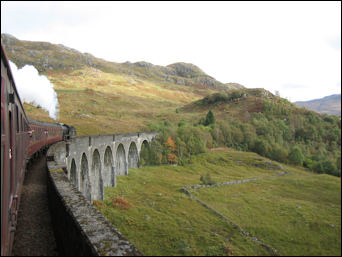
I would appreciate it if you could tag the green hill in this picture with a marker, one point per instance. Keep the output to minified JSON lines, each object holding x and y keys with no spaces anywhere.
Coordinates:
{"x":256,"y":120}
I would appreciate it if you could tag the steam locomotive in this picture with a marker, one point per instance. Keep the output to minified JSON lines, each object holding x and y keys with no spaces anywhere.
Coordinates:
{"x":21,"y":139}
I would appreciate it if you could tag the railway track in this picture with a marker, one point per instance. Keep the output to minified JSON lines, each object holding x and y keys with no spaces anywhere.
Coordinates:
{"x":34,"y":234}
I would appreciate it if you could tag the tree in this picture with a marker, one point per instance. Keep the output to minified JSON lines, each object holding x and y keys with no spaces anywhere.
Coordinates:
{"x":210,"y":119}
{"x":155,"y":155}
{"x":171,"y":149}
{"x":170,"y":144}
{"x":261,"y":147}
{"x":181,"y":151}
{"x":172,"y":158}
{"x":296,"y":156}
{"x":144,"y":155}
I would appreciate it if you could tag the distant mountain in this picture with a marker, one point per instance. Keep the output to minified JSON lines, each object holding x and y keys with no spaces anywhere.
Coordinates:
{"x":329,"y":105}
{"x":46,"y":56}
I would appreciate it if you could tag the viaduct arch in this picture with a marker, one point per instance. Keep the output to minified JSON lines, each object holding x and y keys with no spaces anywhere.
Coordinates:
{"x":93,"y":162}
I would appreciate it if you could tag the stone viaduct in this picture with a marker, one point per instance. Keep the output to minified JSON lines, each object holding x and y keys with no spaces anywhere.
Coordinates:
{"x":93,"y":162}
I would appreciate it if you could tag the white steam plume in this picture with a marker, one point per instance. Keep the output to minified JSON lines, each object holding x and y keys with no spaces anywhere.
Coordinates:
{"x":35,"y":88}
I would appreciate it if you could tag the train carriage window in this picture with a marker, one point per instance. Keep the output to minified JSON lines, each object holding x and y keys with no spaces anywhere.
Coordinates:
{"x":21,"y":122}
{"x":17,"y":118}
{"x":2,"y":106}
{"x":2,"y":122}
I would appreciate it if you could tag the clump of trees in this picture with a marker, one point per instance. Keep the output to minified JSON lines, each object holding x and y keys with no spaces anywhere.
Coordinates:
{"x":280,"y":132}
{"x":222,"y":97}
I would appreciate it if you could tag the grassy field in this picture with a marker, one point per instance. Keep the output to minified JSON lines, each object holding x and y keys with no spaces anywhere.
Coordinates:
{"x":296,"y":214}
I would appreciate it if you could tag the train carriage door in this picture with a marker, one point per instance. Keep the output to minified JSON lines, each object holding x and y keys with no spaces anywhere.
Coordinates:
{"x":12,"y":198}
{"x":12,"y":194}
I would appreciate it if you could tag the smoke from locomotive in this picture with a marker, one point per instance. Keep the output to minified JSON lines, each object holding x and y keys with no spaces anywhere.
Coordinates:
{"x":36,"y":89}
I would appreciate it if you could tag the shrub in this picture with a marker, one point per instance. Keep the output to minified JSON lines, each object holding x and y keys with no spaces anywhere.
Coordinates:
{"x":329,"y":167}
{"x":278,"y":154}
{"x":207,"y":180}
{"x":121,"y":203}
{"x":172,"y":158}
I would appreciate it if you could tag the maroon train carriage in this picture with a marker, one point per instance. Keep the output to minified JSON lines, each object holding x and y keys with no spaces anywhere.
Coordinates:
{"x":15,"y":140}
{"x":21,"y":138}
{"x":43,"y":134}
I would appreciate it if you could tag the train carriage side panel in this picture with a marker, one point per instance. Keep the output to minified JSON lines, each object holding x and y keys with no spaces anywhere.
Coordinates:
{"x":14,"y":143}
{"x":5,"y":171}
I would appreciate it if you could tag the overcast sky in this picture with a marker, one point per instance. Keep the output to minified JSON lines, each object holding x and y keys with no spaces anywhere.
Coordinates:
{"x":292,"y":47}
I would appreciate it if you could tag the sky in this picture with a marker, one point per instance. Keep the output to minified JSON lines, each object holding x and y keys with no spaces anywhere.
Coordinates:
{"x":290,"y":47}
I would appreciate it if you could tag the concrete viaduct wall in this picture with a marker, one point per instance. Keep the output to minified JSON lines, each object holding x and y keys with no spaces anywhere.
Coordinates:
{"x":93,"y":162}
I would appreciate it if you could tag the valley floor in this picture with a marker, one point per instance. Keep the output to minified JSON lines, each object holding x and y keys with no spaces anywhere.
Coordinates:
{"x":258,"y":207}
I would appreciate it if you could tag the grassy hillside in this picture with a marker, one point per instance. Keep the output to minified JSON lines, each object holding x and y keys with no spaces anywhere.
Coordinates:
{"x":296,"y":214}
{"x":97,"y":102}
{"x":256,"y":120}
{"x":97,"y":96}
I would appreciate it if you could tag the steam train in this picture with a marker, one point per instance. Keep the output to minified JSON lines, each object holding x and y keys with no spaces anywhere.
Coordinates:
{"x":21,"y":139}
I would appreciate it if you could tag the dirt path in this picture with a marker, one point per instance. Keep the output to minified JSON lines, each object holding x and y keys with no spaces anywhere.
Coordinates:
{"x":34,"y":234}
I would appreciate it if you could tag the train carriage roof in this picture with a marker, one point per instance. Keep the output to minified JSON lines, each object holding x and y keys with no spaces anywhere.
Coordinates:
{"x":40,"y":123}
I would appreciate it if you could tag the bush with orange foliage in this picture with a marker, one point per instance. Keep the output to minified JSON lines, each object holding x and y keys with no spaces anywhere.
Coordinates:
{"x":121,"y":203}
{"x":172,"y":158}
{"x":98,"y":204}
{"x":170,"y":143}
